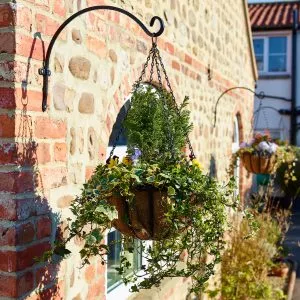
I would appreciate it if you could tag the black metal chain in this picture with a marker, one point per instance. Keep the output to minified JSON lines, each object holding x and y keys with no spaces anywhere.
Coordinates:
{"x":156,"y":61}
{"x":192,"y":154}
{"x":135,"y":87}
{"x":170,"y":138}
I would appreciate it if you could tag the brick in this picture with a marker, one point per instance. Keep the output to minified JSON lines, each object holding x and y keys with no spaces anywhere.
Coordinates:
{"x":24,"y":18}
{"x":7,"y":43}
{"x":16,"y":182}
{"x":188,"y":59}
{"x":8,"y":154}
{"x":8,"y":261}
{"x":7,"y":15}
{"x":25,"y":233}
{"x":32,"y":99}
{"x":29,"y":46}
{"x":7,"y":126}
{"x":90,"y":273}
{"x":46,"y":25}
{"x":26,"y":208}
{"x":89,"y":171}
{"x":94,"y":2}
{"x":15,"y":286}
{"x":97,"y":290}
{"x":96,"y":46}
{"x":44,"y":227}
{"x":7,"y":181}
{"x":51,"y":129}
{"x":7,"y":95}
{"x":27,"y":257}
{"x":8,"y":236}
{"x":53,"y":177}
{"x":43,"y":153}
{"x":60,"y":152}
{"x":8,"y":209}
{"x":175,"y":65}
{"x":169,"y":48}
{"x":60,"y":8}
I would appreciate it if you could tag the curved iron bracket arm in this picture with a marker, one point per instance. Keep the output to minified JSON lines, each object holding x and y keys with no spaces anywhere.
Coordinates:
{"x":260,"y":95}
{"x":45,"y":72}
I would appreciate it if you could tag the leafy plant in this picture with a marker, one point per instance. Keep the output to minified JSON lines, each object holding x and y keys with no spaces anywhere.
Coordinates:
{"x":195,"y":204}
{"x":154,"y":126}
{"x":245,"y":263}
{"x":288,"y":172}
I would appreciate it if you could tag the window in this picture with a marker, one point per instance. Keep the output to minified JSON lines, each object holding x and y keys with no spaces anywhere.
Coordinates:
{"x":116,"y":247}
{"x":113,"y":259}
{"x":272,"y":55}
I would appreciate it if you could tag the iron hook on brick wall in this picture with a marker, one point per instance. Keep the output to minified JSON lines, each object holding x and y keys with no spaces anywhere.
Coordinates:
{"x":260,"y":95}
{"x":45,"y":71}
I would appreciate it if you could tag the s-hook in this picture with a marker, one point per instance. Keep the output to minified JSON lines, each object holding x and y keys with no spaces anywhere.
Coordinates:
{"x":45,"y":71}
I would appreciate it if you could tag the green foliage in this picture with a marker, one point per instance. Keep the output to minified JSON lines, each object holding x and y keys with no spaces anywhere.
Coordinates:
{"x":197,"y":225}
{"x":155,"y":126}
{"x":196,"y":204}
{"x":245,"y":263}
{"x":288,"y":172}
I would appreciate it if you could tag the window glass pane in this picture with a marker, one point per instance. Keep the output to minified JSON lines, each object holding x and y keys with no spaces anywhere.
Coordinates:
{"x":258,"y":46}
{"x":277,"y":63}
{"x":259,"y":53}
{"x":277,"y":45}
{"x":113,"y":258}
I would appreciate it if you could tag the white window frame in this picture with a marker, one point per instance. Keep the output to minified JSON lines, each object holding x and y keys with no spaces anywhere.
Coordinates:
{"x":121,"y":291}
{"x":265,"y":36}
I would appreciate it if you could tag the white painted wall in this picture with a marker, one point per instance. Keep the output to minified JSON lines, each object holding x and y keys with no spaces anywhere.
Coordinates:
{"x":276,"y":87}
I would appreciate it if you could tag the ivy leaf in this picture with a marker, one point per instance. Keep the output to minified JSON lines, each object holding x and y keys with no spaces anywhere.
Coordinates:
{"x":171,"y":191}
{"x":111,"y":213}
{"x":90,"y":239}
{"x":61,"y":251}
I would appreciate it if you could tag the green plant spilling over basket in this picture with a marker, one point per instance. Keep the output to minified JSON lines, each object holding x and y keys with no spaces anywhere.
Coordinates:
{"x":155,"y":193}
{"x":260,"y":155}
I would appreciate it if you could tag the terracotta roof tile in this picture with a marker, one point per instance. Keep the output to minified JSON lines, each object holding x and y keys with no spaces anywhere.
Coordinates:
{"x":272,"y":15}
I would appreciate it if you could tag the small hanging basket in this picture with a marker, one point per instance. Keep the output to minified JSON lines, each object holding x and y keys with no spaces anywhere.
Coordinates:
{"x":257,"y":163}
{"x":145,"y":217}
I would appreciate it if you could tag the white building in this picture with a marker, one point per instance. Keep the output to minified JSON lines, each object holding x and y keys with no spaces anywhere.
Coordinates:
{"x":276,"y":39}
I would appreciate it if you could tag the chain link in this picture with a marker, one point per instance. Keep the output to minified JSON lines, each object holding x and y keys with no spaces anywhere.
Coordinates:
{"x":156,"y":61}
{"x":192,"y":154}
{"x":135,"y":87}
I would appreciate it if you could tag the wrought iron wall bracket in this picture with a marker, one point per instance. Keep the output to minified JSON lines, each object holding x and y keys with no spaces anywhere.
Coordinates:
{"x":260,"y":95}
{"x":45,"y":71}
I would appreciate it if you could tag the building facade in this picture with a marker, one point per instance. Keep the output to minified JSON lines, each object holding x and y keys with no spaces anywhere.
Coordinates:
{"x":276,"y":41}
{"x":45,"y":157}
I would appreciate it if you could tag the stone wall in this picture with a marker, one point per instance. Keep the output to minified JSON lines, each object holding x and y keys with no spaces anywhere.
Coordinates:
{"x":46,"y":157}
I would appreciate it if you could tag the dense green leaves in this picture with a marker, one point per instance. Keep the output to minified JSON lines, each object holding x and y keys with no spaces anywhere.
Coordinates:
{"x":195,"y":204}
{"x":155,"y":126}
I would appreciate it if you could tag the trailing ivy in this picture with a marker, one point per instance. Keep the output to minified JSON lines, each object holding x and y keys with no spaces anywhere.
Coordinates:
{"x":195,"y":204}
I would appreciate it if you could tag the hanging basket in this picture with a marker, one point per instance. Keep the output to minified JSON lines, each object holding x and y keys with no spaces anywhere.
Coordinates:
{"x":257,"y":163}
{"x":144,"y":218}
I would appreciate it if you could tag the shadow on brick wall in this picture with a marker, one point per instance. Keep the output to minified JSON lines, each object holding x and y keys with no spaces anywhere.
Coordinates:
{"x":34,"y":209}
